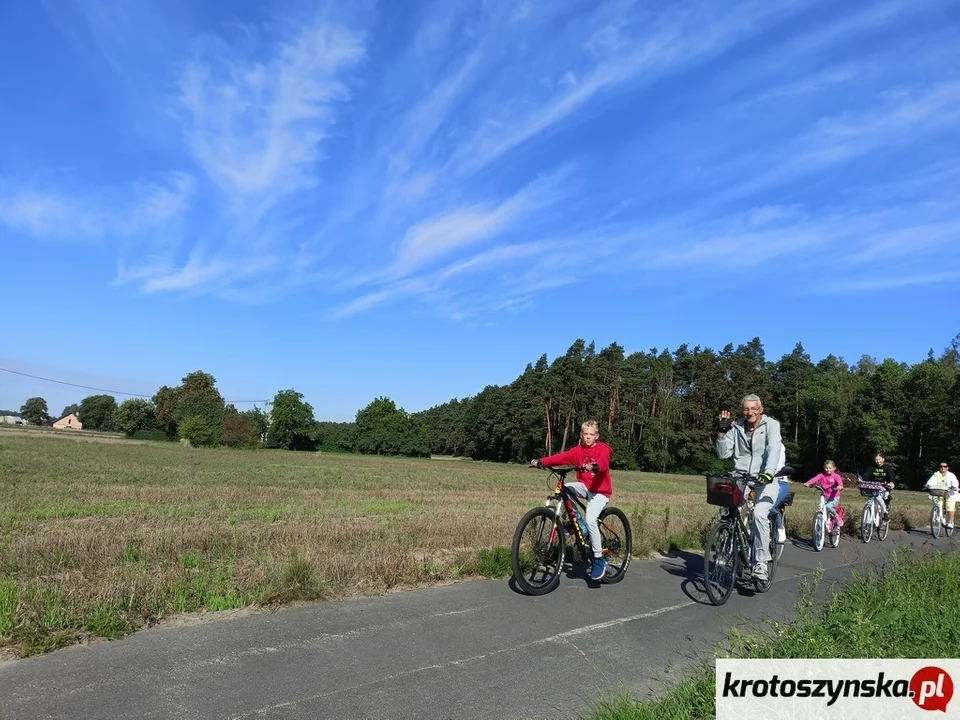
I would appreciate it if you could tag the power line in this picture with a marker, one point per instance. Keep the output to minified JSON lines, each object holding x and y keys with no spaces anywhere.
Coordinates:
{"x":111,"y":392}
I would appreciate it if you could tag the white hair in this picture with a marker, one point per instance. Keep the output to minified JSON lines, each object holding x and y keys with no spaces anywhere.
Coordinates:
{"x":752,"y":398}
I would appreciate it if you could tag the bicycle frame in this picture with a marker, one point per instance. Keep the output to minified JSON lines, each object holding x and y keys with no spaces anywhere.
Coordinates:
{"x":938,"y":510}
{"x":743,"y":534}
{"x":569,"y":508}
{"x":830,"y":518}
{"x":871,"y":517}
{"x":941,"y":506}
{"x":741,"y":519}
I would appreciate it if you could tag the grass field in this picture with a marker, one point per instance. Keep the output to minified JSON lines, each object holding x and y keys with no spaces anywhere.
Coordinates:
{"x":100,"y":538}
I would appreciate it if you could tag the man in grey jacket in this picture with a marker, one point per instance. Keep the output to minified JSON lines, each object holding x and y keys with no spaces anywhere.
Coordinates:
{"x":754,"y":443}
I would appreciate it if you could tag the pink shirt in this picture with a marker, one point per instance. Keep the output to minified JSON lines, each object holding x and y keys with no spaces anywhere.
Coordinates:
{"x":831,"y":484}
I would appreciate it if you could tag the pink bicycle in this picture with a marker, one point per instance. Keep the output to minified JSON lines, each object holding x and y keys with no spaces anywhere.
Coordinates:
{"x":826,"y":523}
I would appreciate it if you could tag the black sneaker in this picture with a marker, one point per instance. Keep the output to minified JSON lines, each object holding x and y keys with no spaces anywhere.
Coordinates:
{"x":886,"y":517}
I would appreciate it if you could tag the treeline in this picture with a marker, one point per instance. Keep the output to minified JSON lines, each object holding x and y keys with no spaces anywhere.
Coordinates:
{"x":658,"y":409}
{"x":196,"y":411}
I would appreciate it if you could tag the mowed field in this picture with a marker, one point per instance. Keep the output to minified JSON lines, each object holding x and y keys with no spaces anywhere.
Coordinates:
{"x":100,"y":538}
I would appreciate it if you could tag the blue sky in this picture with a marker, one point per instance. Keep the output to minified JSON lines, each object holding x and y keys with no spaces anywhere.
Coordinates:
{"x":415,"y":199}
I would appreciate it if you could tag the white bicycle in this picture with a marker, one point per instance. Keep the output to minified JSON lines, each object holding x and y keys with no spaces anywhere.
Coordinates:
{"x":872,"y":515}
{"x":938,"y":519}
{"x":826,"y":524}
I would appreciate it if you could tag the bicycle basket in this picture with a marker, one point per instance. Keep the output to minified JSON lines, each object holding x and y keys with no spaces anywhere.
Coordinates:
{"x":723,"y":491}
{"x":938,"y":492}
{"x":869,"y":489}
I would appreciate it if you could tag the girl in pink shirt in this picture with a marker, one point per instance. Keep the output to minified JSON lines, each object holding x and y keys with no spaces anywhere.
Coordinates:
{"x":831,"y":483}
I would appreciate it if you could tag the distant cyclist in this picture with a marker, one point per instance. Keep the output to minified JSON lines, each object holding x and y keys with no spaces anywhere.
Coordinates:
{"x":754,"y":443}
{"x":831,"y":483}
{"x":945,"y":479}
{"x":881,"y":473}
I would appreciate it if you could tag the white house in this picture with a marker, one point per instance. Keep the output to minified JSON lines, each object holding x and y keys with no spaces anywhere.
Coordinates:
{"x":68,"y":422}
{"x":11,"y":420}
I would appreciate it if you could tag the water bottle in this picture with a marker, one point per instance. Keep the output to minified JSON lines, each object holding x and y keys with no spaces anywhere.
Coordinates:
{"x":583,"y":526}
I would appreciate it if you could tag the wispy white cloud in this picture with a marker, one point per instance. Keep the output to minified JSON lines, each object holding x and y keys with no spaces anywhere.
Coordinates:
{"x":46,"y":214}
{"x":622,"y":52}
{"x":120,"y":212}
{"x":831,"y":246}
{"x":462,"y":227}
{"x":256,"y":128}
{"x":913,"y":240}
{"x":825,"y":79}
{"x":899,"y":118}
{"x":370,"y":300}
{"x":199,"y":271}
{"x":890,"y":282}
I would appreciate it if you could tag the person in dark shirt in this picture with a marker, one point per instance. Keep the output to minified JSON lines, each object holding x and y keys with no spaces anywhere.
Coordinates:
{"x":882,"y":473}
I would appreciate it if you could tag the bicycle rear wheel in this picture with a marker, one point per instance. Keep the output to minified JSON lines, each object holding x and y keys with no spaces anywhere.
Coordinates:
{"x":617,"y":539}
{"x":537,"y":551}
{"x":834,"y":535}
{"x":720,"y":562}
{"x":866,"y":522}
{"x":818,"y":534}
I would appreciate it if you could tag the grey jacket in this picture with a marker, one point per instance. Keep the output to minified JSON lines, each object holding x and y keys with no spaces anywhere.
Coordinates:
{"x":760,"y":452}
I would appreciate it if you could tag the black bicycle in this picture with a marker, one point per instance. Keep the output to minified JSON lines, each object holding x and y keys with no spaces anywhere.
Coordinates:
{"x":729,"y":551}
{"x":549,"y":536}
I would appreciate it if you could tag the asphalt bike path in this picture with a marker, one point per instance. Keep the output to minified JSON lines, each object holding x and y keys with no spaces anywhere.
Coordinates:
{"x":475,"y":649}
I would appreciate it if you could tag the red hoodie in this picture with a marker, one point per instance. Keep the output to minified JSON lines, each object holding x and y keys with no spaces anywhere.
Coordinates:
{"x":599,"y":453}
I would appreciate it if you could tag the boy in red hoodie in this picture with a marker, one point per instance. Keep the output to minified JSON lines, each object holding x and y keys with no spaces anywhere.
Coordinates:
{"x":593,"y":484}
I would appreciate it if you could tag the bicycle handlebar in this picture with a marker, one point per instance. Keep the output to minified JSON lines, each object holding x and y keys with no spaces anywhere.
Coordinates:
{"x":559,"y":470}
{"x":751,"y":480}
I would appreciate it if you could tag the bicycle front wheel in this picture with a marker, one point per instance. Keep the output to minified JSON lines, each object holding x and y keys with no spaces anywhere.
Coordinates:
{"x":617,"y":542}
{"x":883,"y":529}
{"x":866,"y":523}
{"x":935,"y":520}
{"x":537,"y":551}
{"x":818,"y":534}
{"x":720,"y":562}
